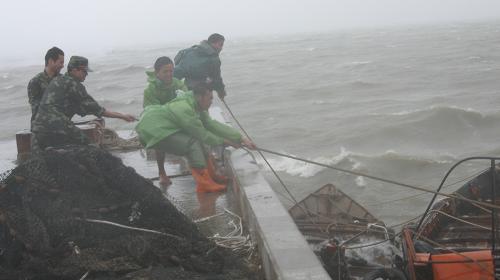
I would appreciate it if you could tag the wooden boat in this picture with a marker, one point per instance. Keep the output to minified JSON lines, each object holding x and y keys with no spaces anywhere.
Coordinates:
{"x":456,"y":239}
{"x":335,"y":226}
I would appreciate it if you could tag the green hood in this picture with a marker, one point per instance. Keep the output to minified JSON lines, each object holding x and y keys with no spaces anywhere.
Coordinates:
{"x":151,"y":76}
{"x":158,"y":93}
{"x":153,"y":79}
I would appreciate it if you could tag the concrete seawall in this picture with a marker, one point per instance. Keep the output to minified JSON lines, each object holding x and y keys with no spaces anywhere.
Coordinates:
{"x":284,"y":252}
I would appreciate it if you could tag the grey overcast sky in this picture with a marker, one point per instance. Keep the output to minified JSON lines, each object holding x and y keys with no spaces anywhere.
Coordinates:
{"x":29,"y":28}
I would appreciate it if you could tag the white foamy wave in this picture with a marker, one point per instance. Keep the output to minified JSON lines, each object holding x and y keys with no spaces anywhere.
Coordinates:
{"x":310,"y":49}
{"x":9,"y":87}
{"x":303,"y":169}
{"x":317,"y":102}
{"x":473,"y":57}
{"x":356,"y":165}
{"x":431,"y":108}
{"x":440,"y":158}
{"x":360,"y":181}
{"x":5,"y":76}
{"x":356,"y":63}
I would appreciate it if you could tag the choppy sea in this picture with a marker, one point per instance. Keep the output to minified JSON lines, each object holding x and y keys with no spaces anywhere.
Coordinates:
{"x":402,"y":103}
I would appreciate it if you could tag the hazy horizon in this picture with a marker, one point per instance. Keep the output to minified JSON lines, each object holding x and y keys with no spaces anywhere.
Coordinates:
{"x":29,"y":28}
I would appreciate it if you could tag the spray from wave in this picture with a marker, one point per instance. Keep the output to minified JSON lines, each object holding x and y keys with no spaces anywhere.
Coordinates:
{"x":303,"y":169}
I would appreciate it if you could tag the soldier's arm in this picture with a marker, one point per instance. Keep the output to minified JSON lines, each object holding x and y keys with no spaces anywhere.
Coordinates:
{"x":89,"y":106}
{"x":117,"y":115}
{"x":86,"y":104}
{"x":218,"y":84}
{"x":33,"y":90}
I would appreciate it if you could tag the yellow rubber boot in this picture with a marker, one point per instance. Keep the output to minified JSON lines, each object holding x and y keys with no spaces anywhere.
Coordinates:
{"x":205,"y":183}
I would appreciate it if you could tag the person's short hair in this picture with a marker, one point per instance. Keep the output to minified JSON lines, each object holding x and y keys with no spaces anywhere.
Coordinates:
{"x":53,"y":53}
{"x":162,"y":60}
{"x":201,"y":88}
{"x":214,"y":38}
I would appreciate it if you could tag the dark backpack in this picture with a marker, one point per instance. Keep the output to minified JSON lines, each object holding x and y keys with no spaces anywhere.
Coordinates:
{"x":180,"y":55}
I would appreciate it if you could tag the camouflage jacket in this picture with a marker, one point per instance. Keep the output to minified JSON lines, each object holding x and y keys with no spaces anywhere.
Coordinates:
{"x":63,"y":98}
{"x":36,"y":87}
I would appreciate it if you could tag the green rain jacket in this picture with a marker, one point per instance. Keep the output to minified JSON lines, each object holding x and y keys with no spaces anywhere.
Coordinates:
{"x":180,"y":115}
{"x":158,"y":93}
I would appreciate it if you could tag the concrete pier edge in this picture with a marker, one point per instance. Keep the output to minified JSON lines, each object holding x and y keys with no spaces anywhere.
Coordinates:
{"x":284,"y":252}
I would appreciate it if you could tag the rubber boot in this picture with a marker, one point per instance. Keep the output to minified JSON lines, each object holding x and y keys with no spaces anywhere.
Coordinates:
{"x":212,"y":170}
{"x":205,"y":183}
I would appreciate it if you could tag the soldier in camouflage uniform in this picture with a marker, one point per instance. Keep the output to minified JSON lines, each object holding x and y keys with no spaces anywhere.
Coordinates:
{"x":64,"y":97}
{"x":54,"y":62}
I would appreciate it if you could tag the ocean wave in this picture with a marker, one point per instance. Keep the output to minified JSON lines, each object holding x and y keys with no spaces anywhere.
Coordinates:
{"x":473,"y":58}
{"x":303,"y":169}
{"x":116,"y":103}
{"x":360,"y":181}
{"x":364,"y":84}
{"x":12,"y":87}
{"x":436,"y":109}
{"x":449,"y":116}
{"x":360,"y":62}
{"x":112,"y":87}
{"x":437,"y":130}
{"x":356,"y":64}
{"x":318,"y":102}
{"x":391,"y":155}
{"x":129,"y":69}
{"x":353,"y":161}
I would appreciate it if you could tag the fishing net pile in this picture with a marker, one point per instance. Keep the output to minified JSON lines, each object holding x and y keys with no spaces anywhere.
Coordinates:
{"x":79,"y":213}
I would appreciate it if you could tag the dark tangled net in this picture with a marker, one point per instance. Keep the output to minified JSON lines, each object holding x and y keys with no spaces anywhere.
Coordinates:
{"x":46,"y":205}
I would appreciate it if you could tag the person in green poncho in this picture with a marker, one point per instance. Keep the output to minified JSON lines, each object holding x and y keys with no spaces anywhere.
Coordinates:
{"x":182,"y":126}
{"x":162,"y":88}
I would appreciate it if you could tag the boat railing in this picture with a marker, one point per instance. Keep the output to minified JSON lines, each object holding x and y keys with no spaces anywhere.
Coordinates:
{"x":492,"y":160}
{"x":493,"y":187}
{"x":375,"y":225}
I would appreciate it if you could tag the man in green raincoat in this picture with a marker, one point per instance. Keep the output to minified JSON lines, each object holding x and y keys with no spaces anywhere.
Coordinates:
{"x":182,"y":126}
{"x":162,"y":88}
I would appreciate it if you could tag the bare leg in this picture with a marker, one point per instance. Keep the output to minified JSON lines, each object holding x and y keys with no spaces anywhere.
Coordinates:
{"x":160,"y":160}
